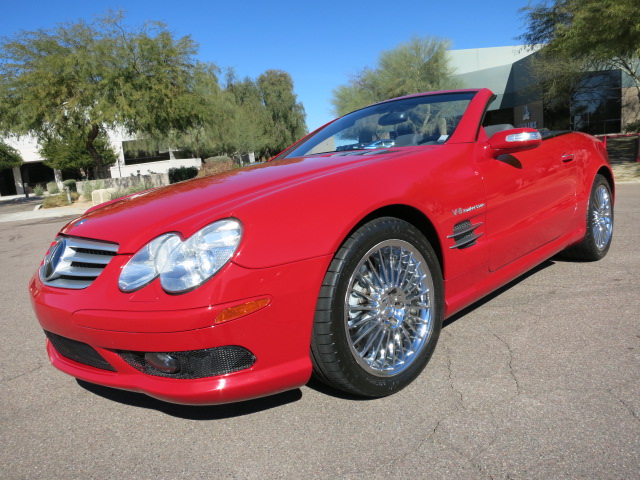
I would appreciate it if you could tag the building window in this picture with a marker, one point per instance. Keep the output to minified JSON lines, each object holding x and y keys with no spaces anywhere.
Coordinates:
{"x":596,"y":108}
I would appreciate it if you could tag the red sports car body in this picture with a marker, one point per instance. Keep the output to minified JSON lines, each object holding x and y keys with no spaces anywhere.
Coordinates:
{"x":330,"y":258}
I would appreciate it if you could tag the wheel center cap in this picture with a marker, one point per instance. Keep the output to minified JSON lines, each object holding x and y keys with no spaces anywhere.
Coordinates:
{"x":392,"y":307}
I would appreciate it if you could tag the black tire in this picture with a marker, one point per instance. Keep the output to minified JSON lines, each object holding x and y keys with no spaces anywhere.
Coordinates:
{"x":597,"y":240}
{"x":386,"y":297}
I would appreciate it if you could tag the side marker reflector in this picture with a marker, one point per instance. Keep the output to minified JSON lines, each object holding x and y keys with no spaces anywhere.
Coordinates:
{"x":238,"y":311}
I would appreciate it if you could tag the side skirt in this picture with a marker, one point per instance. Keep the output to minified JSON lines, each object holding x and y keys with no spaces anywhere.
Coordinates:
{"x":465,"y":289}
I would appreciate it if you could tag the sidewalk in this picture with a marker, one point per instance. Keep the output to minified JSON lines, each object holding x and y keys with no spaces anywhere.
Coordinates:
{"x":32,"y":212}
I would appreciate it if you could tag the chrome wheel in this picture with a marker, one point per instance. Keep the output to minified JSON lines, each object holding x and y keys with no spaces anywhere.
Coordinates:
{"x":388,"y":308}
{"x":599,"y":224}
{"x":379,"y":310}
{"x":602,"y":217}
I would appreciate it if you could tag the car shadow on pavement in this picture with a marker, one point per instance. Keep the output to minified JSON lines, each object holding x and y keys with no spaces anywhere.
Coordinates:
{"x":465,"y":311}
{"x":193,"y":412}
{"x":323,"y":388}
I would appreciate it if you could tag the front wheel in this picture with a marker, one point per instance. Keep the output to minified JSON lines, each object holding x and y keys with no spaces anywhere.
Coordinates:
{"x":380,"y":310}
{"x":597,"y":239}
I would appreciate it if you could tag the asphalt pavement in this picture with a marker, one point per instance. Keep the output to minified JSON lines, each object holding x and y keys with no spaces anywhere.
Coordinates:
{"x":538,"y":381}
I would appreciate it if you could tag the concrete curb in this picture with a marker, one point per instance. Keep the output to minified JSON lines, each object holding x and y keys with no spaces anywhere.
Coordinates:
{"x":44,"y":213}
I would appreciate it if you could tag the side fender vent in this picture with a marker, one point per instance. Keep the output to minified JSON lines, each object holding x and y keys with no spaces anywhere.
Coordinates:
{"x":464,"y":234}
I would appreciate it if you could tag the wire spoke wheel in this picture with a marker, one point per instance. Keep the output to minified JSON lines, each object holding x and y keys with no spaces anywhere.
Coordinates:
{"x":602,"y":216}
{"x":379,"y":311}
{"x":388,"y":308}
{"x":599,"y":224}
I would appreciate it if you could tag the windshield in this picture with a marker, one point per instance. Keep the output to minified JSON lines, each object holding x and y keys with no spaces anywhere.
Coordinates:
{"x":421,"y":120}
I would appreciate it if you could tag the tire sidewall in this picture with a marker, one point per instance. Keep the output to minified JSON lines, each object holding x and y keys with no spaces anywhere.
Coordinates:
{"x":358,"y":245}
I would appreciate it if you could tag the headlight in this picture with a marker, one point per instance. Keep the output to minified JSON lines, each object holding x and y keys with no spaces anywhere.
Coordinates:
{"x":182,"y":266}
{"x":147,"y":264}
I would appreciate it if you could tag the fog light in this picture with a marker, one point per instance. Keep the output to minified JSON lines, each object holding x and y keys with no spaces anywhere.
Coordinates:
{"x":163,"y":362}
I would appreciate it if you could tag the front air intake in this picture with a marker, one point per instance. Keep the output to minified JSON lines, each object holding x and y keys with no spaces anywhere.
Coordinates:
{"x":78,"y":352}
{"x":192,"y":364}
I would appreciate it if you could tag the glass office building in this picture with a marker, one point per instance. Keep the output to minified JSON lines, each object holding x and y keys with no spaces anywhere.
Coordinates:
{"x":604,"y":102}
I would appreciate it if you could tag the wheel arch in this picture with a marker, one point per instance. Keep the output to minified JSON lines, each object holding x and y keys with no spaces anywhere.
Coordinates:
{"x":410,"y":215}
{"x":608,"y":175}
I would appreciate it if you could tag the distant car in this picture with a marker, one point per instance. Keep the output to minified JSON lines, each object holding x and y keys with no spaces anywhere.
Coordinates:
{"x":340,"y":263}
{"x":379,"y":144}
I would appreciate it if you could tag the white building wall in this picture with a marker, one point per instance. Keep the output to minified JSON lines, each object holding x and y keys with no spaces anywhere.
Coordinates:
{"x":161,"y":166}
{"x":476,"y":59}
{"x":28,"y":148}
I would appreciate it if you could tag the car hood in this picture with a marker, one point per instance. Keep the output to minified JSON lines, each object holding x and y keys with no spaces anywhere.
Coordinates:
{"x":188,"y":206}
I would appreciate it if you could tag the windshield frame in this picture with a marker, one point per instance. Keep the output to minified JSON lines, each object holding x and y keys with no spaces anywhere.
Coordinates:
{"x":306,"y":146}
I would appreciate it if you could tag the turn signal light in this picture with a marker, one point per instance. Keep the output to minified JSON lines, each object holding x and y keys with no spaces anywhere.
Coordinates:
{"x":238,"y":311}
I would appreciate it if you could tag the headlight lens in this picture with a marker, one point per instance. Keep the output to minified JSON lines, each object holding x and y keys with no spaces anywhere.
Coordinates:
{"x":147,"y":264}
{"x":182,"y":266}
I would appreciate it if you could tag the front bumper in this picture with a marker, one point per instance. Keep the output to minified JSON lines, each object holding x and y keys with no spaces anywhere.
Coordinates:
{"x":113,"y":323}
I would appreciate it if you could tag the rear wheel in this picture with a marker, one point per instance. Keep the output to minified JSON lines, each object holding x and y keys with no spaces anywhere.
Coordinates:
{"x":597,"y":239}
{"x":380,"y":310}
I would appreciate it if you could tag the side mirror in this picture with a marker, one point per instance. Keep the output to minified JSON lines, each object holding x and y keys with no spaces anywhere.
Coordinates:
{"x":515,"y":140}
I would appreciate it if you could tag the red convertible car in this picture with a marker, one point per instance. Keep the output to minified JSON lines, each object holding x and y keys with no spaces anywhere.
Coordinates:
{"x":332,"y":259}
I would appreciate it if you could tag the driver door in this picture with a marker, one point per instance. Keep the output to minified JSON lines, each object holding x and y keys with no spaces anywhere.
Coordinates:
{"x":530,"y":199}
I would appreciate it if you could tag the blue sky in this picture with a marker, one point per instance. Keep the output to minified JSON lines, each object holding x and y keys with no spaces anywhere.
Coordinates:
{"x":321,"y":44}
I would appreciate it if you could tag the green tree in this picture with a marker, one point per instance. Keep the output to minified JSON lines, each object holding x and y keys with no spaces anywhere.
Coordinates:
{"x":250,"y":123}
{"x":287,"y":117}
{"x":89,"y":77}
{"x":419,"y":65}
{"x":584,"y":35}
{"x":210,"y":127}
{"x":70,"y":153}
{"x":261,"y":116}
{"x":9,"y":156}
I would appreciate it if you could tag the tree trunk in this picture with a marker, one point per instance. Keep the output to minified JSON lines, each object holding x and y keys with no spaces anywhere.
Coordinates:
{"x":99,"y":169}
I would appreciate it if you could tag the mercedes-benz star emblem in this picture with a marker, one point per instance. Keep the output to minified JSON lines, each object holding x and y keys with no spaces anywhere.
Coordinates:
{"x":53,"y":259}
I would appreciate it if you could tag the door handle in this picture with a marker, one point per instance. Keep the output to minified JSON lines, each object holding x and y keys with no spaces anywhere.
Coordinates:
{"x":567,"y":157}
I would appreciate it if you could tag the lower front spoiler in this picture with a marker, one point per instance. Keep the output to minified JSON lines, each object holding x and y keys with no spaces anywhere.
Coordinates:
{"x":247,"y":384}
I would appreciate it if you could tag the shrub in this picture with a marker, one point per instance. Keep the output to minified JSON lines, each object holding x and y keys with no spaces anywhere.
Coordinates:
{"x":38,"y":190}
{"x":71,"y":184}
{"x":632,"y":127}
{"x":181,"y":174}
{"x":135,"y":188}
{"x":59,"y":200}
{"x":89,"y":187}
{"x":52,"y":188}
{"x":215,"y":165}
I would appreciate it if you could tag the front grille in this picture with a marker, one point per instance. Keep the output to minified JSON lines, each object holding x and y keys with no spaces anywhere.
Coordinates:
{"x":197,"y":363}
{"x":76,"y":262}
{"x":78,"y":352}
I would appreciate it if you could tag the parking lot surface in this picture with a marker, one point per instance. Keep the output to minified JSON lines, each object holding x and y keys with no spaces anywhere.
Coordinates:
{"x":540,"y":380}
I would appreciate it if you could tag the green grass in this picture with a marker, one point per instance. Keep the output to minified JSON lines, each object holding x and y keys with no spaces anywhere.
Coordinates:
{"x":60,"y":200}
